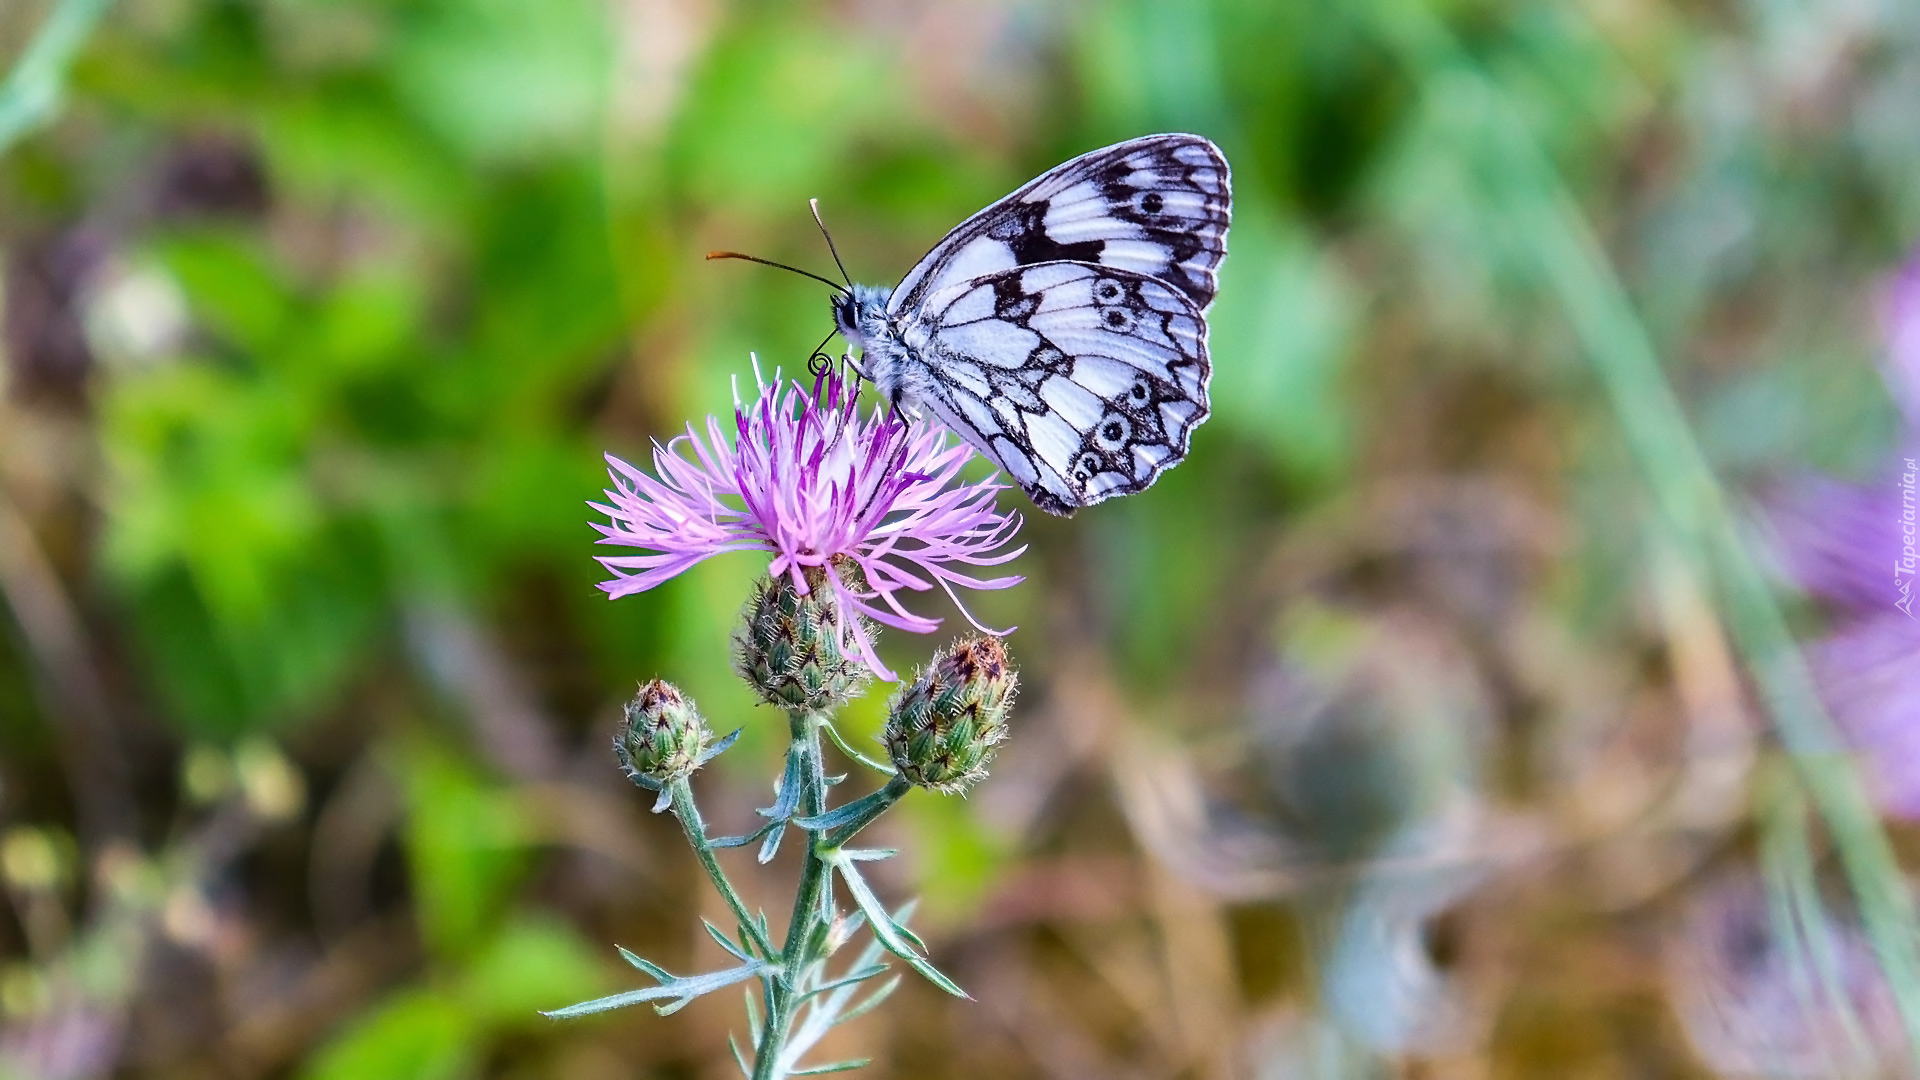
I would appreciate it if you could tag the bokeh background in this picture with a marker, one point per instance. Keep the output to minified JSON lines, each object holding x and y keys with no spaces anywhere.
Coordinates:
{"x":1421,"y":724}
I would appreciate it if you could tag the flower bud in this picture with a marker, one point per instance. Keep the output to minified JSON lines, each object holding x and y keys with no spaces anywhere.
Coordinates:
{"x":663,"y":736}
{"x":943,"y":726}
{"x":787,"y":648}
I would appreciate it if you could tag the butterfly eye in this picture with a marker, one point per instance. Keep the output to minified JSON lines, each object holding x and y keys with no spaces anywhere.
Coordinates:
{"x":1086,"y":466}
{"x":1152,"y":203}
{"x":1140,"y":393}
{"x":1119,"y":319}
{"x":1113,"y":432}
{"x":1107,"y":291}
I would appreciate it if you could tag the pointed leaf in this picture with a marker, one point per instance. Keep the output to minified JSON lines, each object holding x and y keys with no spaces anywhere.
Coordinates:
{"x":772,"y":846}
{"x":788,"y":795}
{"x":726,"y":942}
{"x":681,"y":991}
{"x":872,"y":1001}
{"x":718,"y":748}
{"x":888,"y":934}
{"x":859,"y":975}
{"x":848,"y":812}
{"x":744,"y":840}
{"x":840,"y":742}
{"x":838,"y":1066}
{"x":746,"y":1070}
{"x":645,"y":965}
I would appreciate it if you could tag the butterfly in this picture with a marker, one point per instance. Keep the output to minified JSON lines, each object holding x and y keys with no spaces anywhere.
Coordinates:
{"x":1062,"y":330}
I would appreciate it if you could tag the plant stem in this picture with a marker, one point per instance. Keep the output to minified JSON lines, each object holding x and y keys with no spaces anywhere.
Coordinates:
{"x":784,"y":993}
{"x":696,"y":829}
{"x":878,"y":803}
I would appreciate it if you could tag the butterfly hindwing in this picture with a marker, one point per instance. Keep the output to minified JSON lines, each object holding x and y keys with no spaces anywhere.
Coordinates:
{"x":1156,"y":206}
{"x":1081,"y":381}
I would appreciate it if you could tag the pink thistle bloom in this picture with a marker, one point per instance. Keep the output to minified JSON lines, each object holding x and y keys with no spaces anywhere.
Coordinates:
{"x":812,"y":481}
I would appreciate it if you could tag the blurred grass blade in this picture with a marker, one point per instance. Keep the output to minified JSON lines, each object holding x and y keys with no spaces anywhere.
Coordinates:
{"x":1518,"y":172}
{"x":32,"y":91}
{"x":1800,"y":921}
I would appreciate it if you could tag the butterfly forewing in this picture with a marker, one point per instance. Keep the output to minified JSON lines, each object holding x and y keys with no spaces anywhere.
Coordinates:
{"x":1156,"y":206}
{"x":1081,"y":381}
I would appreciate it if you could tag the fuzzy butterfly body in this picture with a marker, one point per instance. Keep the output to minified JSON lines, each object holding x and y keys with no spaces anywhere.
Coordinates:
{"x":1062,"y":330}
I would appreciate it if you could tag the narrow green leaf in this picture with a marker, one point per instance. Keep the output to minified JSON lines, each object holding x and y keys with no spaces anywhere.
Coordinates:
{"x":889,"y":934}
{"x":871,"y":1002}
{"x":857,"y":976}
{"x":644,"y":964}
{"x":744,"y":839}
{"x":787,"y":795}
{"x":863,"y":809}
{"x":746,"y":1069}
{"x":724,"y":941}
{"x":719,"y":748}
{"x":840,"y":742}
{"x":838,"y":1066}
{"x":911,"y":936}
{"x":778,"y":832}
{"x":680,"y":990}
{"x":613,"y":1001}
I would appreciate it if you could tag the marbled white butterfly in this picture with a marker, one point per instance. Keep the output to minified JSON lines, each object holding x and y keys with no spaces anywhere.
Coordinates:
{"x":1062,"y":330}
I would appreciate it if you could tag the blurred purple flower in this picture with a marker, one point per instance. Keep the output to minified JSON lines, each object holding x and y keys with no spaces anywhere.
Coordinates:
{"x":1903,"y":340}
{"x":1755,"y":1003}
{"x":1839,"y":542}
{"x":811,"y":480}
{"x":1869,"y":674}
{"x":1847,"y":545}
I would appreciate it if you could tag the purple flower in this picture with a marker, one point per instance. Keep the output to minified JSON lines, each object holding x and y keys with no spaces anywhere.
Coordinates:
{"x":1754,"y":1003}
{"x":1850,"y":546}
{"x":811,"y":480}
{"x":1869,"y":675}
{"x":1840,"y":542}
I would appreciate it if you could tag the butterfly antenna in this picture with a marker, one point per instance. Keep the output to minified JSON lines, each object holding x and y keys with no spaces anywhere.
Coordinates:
{"x":814,"y":205}
{"x":820,"y":363}
{"x":829,"y":282}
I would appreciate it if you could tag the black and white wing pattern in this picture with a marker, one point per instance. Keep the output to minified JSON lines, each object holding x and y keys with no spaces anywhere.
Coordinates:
{"x":1081,"y":381}
{"x":1157,"y":206}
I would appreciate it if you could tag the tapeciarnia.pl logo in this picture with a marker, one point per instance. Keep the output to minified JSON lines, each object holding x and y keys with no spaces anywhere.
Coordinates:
{"x":1904,"y":567}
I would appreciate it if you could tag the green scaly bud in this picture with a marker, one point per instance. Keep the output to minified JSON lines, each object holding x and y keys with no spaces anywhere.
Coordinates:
{"x":662,"y":737}
{"x":786,"y":648}
{"x":943,"y":726}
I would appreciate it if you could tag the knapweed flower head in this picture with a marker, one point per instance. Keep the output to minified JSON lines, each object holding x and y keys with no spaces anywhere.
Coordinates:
{"x":943,"y":726}
{"x":788,"y":645}
{"x":810,"y":479}
{"x":661,"y":735}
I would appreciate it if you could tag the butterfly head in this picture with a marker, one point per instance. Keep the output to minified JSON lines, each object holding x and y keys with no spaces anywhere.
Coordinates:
{"x":857,"y":311}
